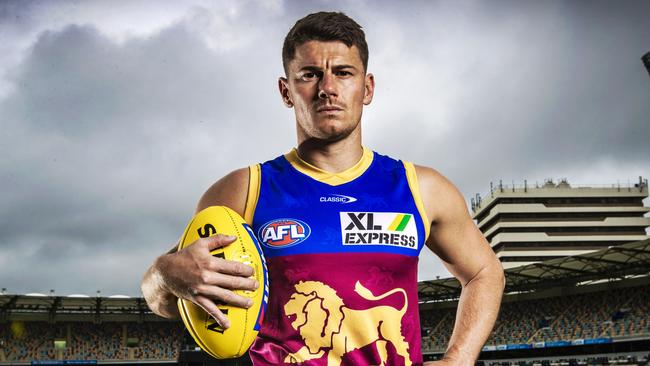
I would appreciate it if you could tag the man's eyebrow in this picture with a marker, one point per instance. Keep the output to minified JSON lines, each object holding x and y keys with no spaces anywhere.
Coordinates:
{"x":335,"y":67}
{"x":339,"y":67}
{"x":310,"y":68}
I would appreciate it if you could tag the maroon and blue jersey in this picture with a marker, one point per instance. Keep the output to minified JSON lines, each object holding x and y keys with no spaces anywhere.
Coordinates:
{"x":342,"y":256}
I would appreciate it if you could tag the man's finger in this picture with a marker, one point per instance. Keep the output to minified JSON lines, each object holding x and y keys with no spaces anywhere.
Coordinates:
{"x":218,"y":241}
{"x":228,"y":281}
{"x":209,"y":307}
{"x":230,"y":267}
{"x":224,"y":296}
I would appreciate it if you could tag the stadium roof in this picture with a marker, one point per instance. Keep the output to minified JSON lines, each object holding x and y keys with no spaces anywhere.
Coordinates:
{"x":616,"y":262}
{"x":55,"y":306}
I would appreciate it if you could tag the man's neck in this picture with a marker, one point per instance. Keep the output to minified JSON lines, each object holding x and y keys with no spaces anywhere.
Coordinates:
{"x":333,"y":157}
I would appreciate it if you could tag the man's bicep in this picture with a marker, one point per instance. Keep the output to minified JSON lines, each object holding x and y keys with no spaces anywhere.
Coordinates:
{"x":463,"y":249}
{"x":454,"y":236}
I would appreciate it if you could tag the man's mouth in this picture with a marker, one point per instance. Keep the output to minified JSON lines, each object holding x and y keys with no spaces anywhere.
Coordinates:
{"x":328,"y":109}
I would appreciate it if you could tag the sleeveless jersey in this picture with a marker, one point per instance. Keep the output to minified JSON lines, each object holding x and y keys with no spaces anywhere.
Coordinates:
{"x":342,"y":253}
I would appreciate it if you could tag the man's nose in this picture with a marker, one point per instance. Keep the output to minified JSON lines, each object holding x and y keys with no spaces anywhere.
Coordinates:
{"x":327,"y":86}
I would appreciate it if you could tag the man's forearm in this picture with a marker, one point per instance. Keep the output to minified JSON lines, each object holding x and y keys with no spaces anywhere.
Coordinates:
{"x":478,"y":308}
{"x":160,"y":301}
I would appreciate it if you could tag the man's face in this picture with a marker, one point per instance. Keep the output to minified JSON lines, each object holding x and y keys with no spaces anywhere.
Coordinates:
{"x":327,"y":85}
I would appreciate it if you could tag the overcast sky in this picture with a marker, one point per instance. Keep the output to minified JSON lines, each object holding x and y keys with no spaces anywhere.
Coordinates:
{"x":115,"y":116}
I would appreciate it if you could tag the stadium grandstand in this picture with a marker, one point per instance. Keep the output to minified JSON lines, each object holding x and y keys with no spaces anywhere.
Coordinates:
{"x":590,"y":309}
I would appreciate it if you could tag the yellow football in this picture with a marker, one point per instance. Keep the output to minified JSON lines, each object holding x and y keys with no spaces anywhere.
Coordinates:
{"x":244,"y":323}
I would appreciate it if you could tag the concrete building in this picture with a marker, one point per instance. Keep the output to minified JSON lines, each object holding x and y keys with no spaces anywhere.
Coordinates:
{"x":528,"y":224}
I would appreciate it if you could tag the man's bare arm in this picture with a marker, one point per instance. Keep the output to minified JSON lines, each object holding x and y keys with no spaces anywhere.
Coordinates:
{"x":467,"y":255}
{"x":192,"y":273}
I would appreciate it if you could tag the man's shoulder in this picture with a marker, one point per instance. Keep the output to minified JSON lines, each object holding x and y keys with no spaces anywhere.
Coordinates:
{"x":438,"y":193}
{"x":231,"y":191}
{"x":431,"y":178}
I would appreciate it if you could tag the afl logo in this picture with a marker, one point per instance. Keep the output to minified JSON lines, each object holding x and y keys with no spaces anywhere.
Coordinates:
{"x":282,"y":233}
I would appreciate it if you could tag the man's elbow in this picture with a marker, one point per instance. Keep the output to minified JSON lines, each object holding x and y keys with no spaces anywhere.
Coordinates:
{"x":491,"y":276}
{"x":503,"y":281}
{"x":497,"y":273}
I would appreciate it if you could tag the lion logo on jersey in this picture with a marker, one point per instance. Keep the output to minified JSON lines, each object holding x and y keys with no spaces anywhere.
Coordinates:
{"x":330,"y":328}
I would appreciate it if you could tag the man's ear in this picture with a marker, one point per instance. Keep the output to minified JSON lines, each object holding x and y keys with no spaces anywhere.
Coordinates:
{"x":283,"y":86}
{"x":369,"y":88}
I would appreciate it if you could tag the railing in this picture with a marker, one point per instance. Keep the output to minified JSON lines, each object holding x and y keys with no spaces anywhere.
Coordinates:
{"x":477,"y":200}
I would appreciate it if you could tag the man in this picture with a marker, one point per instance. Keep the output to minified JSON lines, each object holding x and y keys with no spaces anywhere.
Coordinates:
{"x":343,"y":271}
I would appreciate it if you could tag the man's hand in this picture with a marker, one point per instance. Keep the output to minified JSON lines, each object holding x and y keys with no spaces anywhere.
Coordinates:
{"x":195,"y":275}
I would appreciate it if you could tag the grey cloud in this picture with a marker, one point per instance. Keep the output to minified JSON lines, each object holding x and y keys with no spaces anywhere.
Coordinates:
{"x":108,"y":144}
{"x":510,"y":94}
{"x":111,"y":144}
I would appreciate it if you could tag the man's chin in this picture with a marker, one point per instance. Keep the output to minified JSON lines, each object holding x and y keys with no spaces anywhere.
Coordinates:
{"x":329,"y":129}
{"x":332,"y":134}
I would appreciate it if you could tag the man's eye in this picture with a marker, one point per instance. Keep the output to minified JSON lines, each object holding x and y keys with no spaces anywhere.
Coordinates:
{"x":309,"y":75}
{"x":343,"y":73}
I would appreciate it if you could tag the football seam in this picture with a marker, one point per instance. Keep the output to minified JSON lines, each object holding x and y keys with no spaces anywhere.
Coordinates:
{"x":243,"y":250}
{"x":181,"y":244}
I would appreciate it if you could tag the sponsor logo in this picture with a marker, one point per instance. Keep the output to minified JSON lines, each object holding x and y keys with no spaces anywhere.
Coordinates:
{"x":379,"y":228}
{"x":282,"y":233}
{"x":337,"y":198}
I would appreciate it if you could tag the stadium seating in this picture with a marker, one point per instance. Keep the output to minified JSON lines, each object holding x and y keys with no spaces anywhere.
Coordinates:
{"x":575,"y":361}
{"x":29,"y":341}
{"x":621,"y":312}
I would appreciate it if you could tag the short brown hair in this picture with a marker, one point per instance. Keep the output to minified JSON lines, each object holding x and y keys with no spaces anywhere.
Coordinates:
{"x":325,"y":26}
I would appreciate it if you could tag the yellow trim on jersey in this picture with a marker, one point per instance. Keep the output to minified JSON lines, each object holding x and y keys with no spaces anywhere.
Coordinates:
{"x":412,"y":179}
{"x":253,"y":193}
{"x":333,"y":179}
